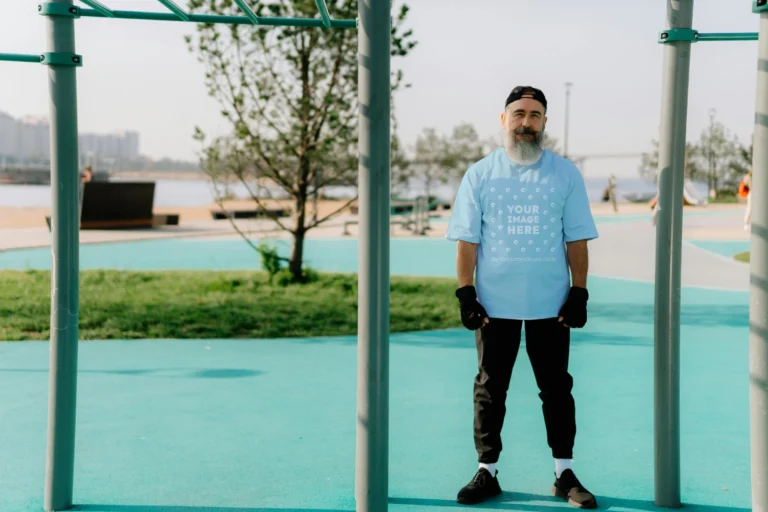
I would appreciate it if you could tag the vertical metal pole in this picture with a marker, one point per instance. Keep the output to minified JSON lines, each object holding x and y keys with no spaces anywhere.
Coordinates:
{"x":711,"y":180}
{"x":758,"y":290}
{"x":568,"y":86}
{"x":674,"y":111}
{"x":65,"y":267}
{"x":372,"y":468}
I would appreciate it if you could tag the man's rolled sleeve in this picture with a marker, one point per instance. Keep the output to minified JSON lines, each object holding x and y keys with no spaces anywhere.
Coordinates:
{"x":466,"y":218}
{"x":578,"y":223}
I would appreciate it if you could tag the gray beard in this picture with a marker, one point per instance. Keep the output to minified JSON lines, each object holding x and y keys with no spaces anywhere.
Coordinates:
{"x":520,"y":151}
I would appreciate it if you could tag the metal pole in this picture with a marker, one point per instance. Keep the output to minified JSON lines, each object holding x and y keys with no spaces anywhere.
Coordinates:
{"x":567,"y":117}
{"x":711,"y":191}
{"x":372,"y":468}
{"x":758,"y":289}
{"x":674,"y":111}
{"x":65,"y":266}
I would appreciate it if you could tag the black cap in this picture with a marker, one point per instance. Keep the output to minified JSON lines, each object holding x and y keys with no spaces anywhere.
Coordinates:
{"x":526,"y":91}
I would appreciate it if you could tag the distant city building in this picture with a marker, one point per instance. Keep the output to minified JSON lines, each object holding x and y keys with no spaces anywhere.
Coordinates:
{"x":9,"y":135}
{"x":29,"y":138}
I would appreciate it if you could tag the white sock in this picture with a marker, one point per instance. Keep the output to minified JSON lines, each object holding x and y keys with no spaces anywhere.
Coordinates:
{"x":561,"y":465}
{"x":490,"y":467}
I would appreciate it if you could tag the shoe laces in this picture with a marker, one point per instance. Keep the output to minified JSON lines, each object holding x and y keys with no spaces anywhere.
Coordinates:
{"x":480,"y":477}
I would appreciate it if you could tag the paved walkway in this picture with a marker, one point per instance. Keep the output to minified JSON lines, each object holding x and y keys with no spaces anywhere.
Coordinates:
{"x":628,"y":250}
{"x":626,"y":247}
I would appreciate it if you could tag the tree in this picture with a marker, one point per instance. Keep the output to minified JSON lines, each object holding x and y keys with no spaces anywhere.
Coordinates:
{"x":649,"y":164}
{"x":290,"y":94}
{"x":401,"y":169}
{"x":430,"y":159}
{"x":439,"y":158}
{"x":465,"y":146}
{"x":721,"y":159}
{"x":717,"y":158}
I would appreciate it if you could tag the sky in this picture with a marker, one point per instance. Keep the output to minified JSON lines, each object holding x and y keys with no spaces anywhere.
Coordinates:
{"x":140,"y":75}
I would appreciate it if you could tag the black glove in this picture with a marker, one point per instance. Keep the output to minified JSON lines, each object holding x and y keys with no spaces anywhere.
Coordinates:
{"x":574,"y":311}
{"x":473,"y":313}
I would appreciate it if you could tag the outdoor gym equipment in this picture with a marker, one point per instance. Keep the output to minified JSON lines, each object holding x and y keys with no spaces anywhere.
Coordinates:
{"x":677,"y":38}
{"x":374,"y":41}
{"x":373,"y":312}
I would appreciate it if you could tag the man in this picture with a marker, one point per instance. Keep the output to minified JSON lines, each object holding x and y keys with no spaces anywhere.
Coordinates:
{"x":521,"y":218}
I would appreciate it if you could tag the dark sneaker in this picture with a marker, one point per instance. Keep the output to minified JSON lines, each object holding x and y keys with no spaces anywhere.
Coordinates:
{"x":482,"y":487}
{"x":570,"y":489}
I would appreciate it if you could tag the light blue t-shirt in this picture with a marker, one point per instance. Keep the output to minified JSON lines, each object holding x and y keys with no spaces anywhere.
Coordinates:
{"x":521,"y":216}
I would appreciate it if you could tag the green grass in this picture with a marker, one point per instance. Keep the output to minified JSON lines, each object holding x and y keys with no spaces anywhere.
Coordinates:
{"x":724,"y":200}
{"x":742,"y":256}
{"x":130,"y":305}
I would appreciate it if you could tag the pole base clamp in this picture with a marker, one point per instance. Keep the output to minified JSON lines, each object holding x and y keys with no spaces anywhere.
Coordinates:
{"x":53,"y":9}
{"x":679,"y":34}
{"x":61,"y":59}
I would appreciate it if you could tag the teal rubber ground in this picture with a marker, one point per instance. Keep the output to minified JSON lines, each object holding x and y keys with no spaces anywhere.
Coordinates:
{"x":269,"y":425}
{"x":409,"y":256}
{"x":727,"y":248}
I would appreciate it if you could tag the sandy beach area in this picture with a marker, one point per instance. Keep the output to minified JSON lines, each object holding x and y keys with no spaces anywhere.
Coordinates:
{"x":34,"y":217}
{"x":25,"y":227}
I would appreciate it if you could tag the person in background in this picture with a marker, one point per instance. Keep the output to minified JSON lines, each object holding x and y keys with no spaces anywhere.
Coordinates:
{"x":745,"y":190}
{"x":86,"y":175}
{"x":610,"y":191}
{"x":521,"y":220}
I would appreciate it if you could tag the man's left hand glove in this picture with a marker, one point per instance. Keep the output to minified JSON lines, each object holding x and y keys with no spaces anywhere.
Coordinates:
{"x":574,"y":311}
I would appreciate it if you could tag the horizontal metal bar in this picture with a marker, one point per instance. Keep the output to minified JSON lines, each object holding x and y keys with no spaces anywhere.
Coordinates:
{"x":323,"y":8}
{"x":727,"y":36}
{"x":17,"y":57}
{"x":213,"y":18}
{"x":99,"y":7}
{"x":248,"y":12}
{"x":175,"y":9}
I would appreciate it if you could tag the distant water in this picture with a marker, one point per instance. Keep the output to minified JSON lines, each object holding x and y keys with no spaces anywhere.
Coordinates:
{"x":170,"y":193}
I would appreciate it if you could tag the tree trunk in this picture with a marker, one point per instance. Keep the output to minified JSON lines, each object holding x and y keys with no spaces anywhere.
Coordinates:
{"x":300,"y":230}
{"x":297,"y":256}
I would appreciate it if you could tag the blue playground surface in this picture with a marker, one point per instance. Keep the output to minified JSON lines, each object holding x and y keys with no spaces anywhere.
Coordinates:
{"x":409,"y":256}
{"x":727,"y":248}
{"x":269,"y":425}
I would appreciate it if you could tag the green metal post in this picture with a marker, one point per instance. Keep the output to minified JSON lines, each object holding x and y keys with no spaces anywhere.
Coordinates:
{"x":323,"y":9}
{"x":248,"y":11}
{"x":728,"y":36}
{"x":758,"y":288}
{"x":372,"y":468}
{"x":16,"y":57}
{"x":175,"y":9}
{"x":65,"y":265}
{"x":249,"y":19}
{"x":677,"y":58}
{"x":99,"y":8}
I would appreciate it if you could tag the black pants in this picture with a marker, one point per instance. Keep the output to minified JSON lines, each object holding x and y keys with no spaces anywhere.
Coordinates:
{"x":548,"y":345}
